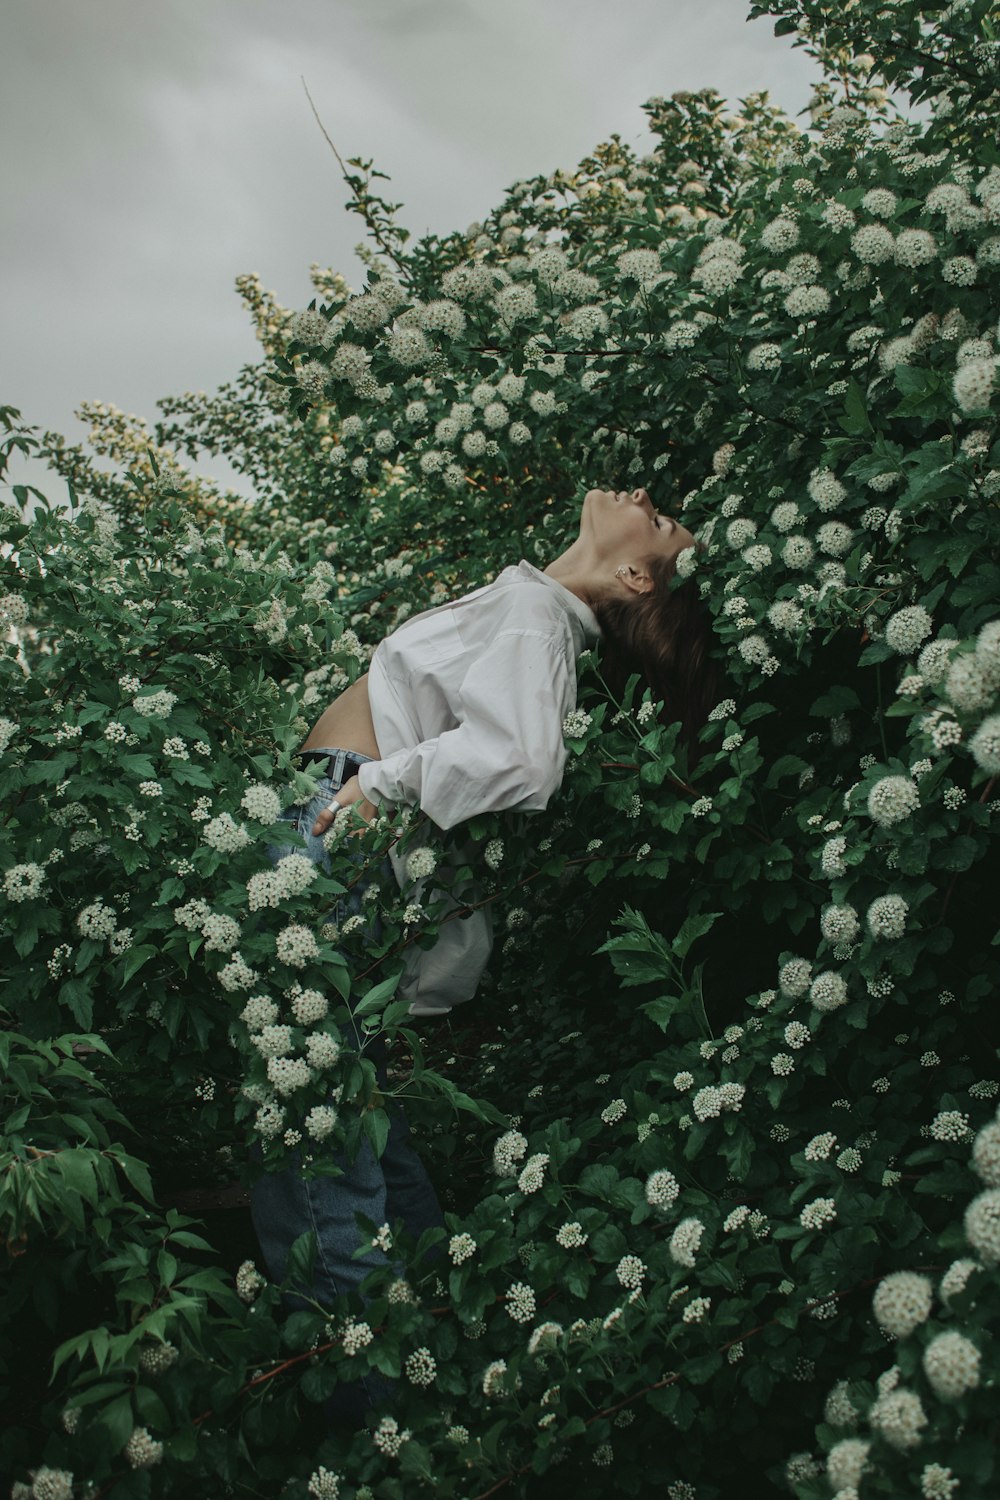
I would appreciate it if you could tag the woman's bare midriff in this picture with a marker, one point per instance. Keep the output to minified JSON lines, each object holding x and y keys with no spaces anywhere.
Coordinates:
{"x":346,"y":724}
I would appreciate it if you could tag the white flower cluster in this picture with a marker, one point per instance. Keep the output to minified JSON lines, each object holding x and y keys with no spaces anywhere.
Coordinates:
{"x":631,"y":1271}
{"x":764,"y":356}
{"x":224,"y":834}
{"x":950,"y":1125}
{"x":892,"y":799}
{"x":494,"y":1378}
{"x":142,"y":1451}
{"x":951,"y":1364}
{"x":710,"y":1102}
{"x":938,"y":1482}
{"x":508,"y":1151}
{"x":295,"y":945}
{"x":237,"y":974}
{"x":155,"y":1357}
{"x":821,"y":1147}
{"x":261,"y":802}
{"x":846,"y":1462}
{"x":532,"y":1174}
{"x":47,"y":1484}
{"x":886,"y":917}
{"x":321,"y":1122}
{"x":828,"y":991}
{"x":832,"y":857}
{"x":686,"y":562}
{"x":974,"y":383}
{"x":221,"y":933}
{"x":662,"y":1189}
{"x":834,"y":538}
{"x":292,"y":874}
{"x":907,"y":629}
{"x":984,"y":746}
{"x":571,"y":1236}
{"x":461,"y":1247}
{"x":902,"y":1301}
{"x":575,"y":724}
{"x":389,"y":1437}
{"x":155,"y":705}
{"x":97,"y":920}
{"x":900,"y":1417}
{"x":355,"y":1337}
{"x":686,"y":1241}
{"x":781,"y":234}
{"x":544,"y":1339}
{"x":308,"y":1006}
{"x":323,"y":1484}
{"x":797,"y":552}
{"x":794,"y":978}
{"x":520,"y":1302}
{"x":286,"y":1074}
{"x":839,"y":924}
{"x":971,"y":682}
{"x":818,"y":1213}
{"x":825,"y":489}
{"x":421,"y":1367}
{"x":249,"y":1282}
{"x":420,"y":863}
{"x":24,"y":882}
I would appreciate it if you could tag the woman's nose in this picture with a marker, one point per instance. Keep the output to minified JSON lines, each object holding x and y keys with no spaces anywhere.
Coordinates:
{"x":640,"y":497}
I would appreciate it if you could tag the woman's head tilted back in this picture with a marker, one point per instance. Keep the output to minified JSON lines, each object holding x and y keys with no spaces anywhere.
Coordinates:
{"x":653,"y":623}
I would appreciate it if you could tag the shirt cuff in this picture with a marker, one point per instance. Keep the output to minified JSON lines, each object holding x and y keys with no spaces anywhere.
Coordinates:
{"x":366,"y":776}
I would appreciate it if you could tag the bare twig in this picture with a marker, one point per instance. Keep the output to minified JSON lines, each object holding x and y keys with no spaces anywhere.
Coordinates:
{"x":373,"y":228}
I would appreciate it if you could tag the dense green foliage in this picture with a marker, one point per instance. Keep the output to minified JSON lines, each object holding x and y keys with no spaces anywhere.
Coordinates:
{"x":717,"y":1138}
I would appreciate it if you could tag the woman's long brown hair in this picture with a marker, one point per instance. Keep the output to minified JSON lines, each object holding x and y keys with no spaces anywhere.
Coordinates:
{"x":666,"y":636}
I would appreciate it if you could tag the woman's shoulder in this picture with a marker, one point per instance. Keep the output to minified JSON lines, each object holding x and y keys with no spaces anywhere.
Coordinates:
{"x":527,"y":598}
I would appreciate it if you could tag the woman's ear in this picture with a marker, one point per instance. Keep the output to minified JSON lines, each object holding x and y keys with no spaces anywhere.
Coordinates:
{"x":636,"y":580}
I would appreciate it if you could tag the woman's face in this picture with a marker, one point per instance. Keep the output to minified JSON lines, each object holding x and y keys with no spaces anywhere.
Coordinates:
{"x":624,"y":527}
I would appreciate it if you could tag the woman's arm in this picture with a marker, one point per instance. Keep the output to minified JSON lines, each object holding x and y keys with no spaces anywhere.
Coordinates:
{"x":508,"y":749}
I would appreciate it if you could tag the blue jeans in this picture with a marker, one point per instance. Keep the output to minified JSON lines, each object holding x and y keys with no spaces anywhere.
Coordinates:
{"x":393,"y":1187}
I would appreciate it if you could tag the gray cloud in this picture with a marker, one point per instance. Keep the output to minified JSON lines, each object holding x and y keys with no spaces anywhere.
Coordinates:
{"x":162,"y":150}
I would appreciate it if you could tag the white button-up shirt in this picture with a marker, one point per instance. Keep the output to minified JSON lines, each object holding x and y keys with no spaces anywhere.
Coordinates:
{"x":468,"y":702}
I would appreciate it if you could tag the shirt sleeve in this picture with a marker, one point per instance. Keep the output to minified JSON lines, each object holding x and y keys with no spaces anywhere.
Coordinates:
{"x":507,"y":751}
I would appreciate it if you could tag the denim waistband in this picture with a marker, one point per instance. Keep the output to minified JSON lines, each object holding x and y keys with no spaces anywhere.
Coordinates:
{"x":341,"y":764}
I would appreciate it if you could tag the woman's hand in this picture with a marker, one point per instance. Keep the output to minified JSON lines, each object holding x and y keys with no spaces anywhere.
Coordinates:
{"x":350,"y":795}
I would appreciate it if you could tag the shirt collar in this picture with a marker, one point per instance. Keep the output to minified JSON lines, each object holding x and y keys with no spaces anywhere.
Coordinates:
{"x":574,"y":606}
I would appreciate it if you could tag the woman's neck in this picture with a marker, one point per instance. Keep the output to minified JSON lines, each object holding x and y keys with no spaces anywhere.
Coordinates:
{"x":574,"y":569}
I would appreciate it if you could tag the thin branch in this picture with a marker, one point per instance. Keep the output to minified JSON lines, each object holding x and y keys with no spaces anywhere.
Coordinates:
{"x":372,"y":228}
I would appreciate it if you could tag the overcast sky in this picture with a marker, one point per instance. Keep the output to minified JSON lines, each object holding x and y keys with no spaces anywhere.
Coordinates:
{"x":155,"y":151}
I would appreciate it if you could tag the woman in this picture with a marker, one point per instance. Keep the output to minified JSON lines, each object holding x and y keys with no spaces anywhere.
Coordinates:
{"x":461,"y":713}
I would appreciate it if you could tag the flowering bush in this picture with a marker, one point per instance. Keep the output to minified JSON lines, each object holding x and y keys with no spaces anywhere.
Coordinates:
{"x":695,"y":1182}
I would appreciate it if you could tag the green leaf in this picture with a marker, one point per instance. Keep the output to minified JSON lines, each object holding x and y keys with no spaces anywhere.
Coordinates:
{"x":376,"y":1127}
{"x":839,"y":699}
{"x":855,"y":419}
{"x":118,"y":1420}
{"x":134,"y":958}
{"x":691,"y":929}
{"x":76,"y":1167}
{"x":137,"y":1174}
{"x":75,"y":995}
{"x":74,"y":1348}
